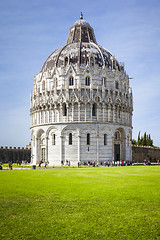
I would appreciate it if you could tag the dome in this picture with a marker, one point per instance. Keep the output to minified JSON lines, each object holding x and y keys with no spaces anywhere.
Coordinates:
{"x":81,"y":48}
{"x":81,"y":22}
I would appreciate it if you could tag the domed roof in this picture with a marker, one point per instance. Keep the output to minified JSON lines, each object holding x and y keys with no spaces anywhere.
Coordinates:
{"x":81,"y":22}
{"x":81,"y":48}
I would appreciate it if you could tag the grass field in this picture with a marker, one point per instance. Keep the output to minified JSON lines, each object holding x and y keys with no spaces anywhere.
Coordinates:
{"x":84,"y":203}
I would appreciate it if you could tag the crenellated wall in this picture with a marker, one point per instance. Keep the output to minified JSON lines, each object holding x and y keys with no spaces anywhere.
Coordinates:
{"x":15,"y":154}
{"x":141,"y":153}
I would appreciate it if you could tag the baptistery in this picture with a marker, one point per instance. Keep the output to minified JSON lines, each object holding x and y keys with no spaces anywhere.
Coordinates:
{"x":81,"y":104}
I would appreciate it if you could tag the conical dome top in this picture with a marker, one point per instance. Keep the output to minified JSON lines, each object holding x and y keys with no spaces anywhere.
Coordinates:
{"x":81,"y":31}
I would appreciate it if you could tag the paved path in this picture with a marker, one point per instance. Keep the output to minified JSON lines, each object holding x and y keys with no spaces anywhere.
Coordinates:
{"x":7,"y":168}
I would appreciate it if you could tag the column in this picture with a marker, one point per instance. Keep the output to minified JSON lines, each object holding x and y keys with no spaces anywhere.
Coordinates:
{"x":60,"y":113}
{"x":44,"y":116}
{"x":61,"y":149}
{"x":112,"y":148}
{"x":40,"y":117}
{"x":97,"y":147}
{"x":67,"y":112}
{"x":46,"y":153}
{"x":97,"y":112}
{"x":50,"y":115}
{"x":72,"y":111}
{"x":47,"y":116}
{"x":103,"y":112}
{"x":114,"y":114}
{"x":35,"y":157}
{"x":79,"y":112}
{"x":79,"y":148}
{"x":119,"y":115}
{"x":55,"y":113}
{"x":85,"y":117}
{"x":109,"y":113}
{"x":37,"y":117}
{"x":91,"y":111}
{"x":122,"y":116}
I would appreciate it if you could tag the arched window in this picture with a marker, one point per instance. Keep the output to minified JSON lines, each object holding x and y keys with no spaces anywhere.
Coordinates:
{"x":128,"y":141}
{"x":88,"y":138}
{"x":64,"y":110}
{"x":119,"y":113}
{"x":104,"y":81}
{"x":70,"y":138}
{"x":117,"y":135}
{"x":55,"y":83}
{"x":43,"y":85}
{"x":66,"y":61}
{"x":87,"y":82}
{"x":71,"y":81}
{"x":94,"y":110}
{"x":105,"y":139}
{"x":54,"y":139}
{"x":117,"y":85}
{"x":92,"y":61}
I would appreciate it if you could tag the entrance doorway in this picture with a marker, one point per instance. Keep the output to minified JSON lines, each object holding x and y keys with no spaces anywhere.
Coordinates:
{"x":117,"y":152}
{"x":43,"y":154}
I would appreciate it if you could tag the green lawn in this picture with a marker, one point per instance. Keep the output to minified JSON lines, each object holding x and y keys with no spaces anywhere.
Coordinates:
{"x":85,"y":203}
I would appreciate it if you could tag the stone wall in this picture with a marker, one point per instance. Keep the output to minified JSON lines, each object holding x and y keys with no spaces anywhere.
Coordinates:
{"x":141,"y":153}
{"x":14,"y":154}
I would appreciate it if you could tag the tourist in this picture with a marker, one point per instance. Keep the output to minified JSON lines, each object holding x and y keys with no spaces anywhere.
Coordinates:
{"x":10,"y":165}
{"x":40,"y":163}
{"x":45,"y":164}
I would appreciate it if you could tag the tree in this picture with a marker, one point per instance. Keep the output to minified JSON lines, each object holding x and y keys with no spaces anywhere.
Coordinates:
{"x":134,"y":142}
{"x":144,"y":140}
{"x":139,"y":138}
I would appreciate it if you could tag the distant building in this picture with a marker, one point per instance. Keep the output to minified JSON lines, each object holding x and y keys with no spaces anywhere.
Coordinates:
{"x":81,"y":104}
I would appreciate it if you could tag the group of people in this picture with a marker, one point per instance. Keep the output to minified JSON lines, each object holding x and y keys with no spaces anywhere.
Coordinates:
{"x":45,"y":163}
{"x":122,"y":163}
{"x":67,"y":163}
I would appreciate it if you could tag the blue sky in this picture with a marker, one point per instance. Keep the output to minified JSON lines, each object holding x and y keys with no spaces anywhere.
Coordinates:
{"x":31,"y":30}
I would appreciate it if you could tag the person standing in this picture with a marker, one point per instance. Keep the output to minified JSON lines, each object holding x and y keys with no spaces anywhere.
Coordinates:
{"x":10,"y":165}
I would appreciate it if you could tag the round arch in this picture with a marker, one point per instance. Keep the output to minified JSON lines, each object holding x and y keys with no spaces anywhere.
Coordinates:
{"x":50,"y":129}
{"x":119,"y":145}
{"x":88,"y":127}
{"x":68,"y":128}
